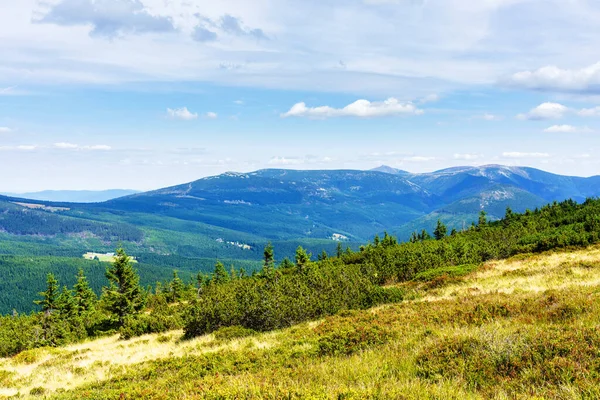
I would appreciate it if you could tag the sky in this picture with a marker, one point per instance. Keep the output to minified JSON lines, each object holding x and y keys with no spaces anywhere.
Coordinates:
{"x":143,"y":94}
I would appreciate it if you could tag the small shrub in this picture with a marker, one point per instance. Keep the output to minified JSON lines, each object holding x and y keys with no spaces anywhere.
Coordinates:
{"x":5,"y":377}
{"x":163,"y":338}
{"x":37,"y":391}
{"x":28,"y":357}
{"x":233,"y":332}
{"x":450,"y":272}
{"x":350,"y":334}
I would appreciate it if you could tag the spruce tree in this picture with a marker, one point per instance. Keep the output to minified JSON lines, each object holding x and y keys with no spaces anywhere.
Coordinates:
{"x":268,"y":269}
{"x":302,"y":258}
{"x":323,"y":256}
{"x":84,"y":296}
{"x":124,"y":297}
{"x":177,"y":287}
{"x":440,"y":230}
{"x":50,"y":296}
{"x":286,"y":263}
{"x":220,"y":274}
{"x":482,"y":219}
{"x":269,"y":256}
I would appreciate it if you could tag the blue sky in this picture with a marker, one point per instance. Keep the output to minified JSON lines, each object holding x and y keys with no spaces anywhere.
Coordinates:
{"x":98,"y":94}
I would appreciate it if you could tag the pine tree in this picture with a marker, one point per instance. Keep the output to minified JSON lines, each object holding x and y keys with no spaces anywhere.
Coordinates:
{"x":286,"y":263}
{"x":339,"y":250}
{"x":440,"y":230}
{"x":220,"y":275}
{"x":268,"y":269}
{"x":414,"y":238}
{"x":269,"y":256}
{"x":84,"y":296}
{"x":176,"y":287}
{"x":302,"y":258}
{"x":66,"y":304}
{"x":323,"y":256}
{"x":482,"y":219}
{"x":124,"y":297}
{"x":454,"y":232}
{"x":50,"y":296}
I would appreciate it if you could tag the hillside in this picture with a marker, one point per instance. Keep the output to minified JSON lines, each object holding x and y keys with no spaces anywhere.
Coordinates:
{"x":518,"y":328}
{"x":232,"y":216}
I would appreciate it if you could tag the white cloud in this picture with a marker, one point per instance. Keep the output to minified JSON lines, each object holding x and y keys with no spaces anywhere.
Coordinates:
{"x":181,"y":113}
{"x":100,"y":147}
{"x":211,"y":115}
{"x":72,"y":146}
{"x":568,"y":129}
{"x":285,"y":161}
{"x":418,"y":159}
{"x":309,"y":159}
{"x":109,"y":18}
{"x":4,"y":129}
{"x":517,"y":154}
{"x":545,"y":111}
{"x":360,"y":108}
{"x":554,"y":78}
{"x":467,"y":156}
{"x":589,"y":112}
{"x":65,"y":145}
{"x":490,"y":117}
{"x":239,"y":102}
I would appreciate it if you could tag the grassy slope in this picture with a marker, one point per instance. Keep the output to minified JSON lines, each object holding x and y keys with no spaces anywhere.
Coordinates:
{"x":516,"y":328}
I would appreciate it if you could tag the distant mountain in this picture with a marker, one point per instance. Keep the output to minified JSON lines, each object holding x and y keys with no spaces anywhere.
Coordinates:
{"x":74,"y":196}
{"x":390,"y":170}
{"x":280,"y":204}
{"x":203,"y":218}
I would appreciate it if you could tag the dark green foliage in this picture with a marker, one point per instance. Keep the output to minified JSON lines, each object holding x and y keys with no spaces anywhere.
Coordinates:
{"x":50,"y":296}
{"x":302,"y":258}
{"x":262,"y":304}
{"x":176,"y":288}
{"x":440,"y":230}
{"x":233,"y":332}
{"x":350,"y":334}
{"x":220,"y":276}
{"x":124,"y":296}
{"x":482,"y":219}
{"x":85,"y":297}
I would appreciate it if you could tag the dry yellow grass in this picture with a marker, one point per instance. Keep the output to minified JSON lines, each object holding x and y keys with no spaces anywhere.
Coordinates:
{"x":98,"y":360}
{"x":537,"y":273}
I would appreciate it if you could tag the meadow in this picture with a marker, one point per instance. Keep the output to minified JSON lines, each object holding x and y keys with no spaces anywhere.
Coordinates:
{"x":524,"y":327}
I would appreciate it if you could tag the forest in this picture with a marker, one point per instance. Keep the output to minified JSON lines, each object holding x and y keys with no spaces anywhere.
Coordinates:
{"x":284,"y":292}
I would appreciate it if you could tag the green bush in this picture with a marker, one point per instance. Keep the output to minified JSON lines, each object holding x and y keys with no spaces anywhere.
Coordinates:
{"x":348,"y":335}
{"x":449,"y":271}
{"x":233,"y":332}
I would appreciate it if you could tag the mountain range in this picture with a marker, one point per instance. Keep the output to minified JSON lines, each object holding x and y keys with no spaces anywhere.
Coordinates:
{"x":279,"y":204}
{"x":232,"y":216}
